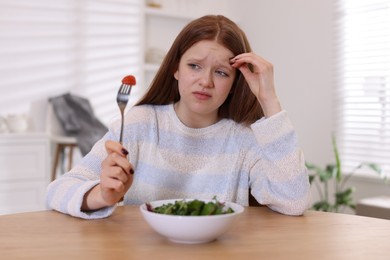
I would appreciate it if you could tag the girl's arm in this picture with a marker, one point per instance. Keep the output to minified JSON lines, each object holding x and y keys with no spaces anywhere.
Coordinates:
{"x":79,"y":192}
{"x":279,"y":178}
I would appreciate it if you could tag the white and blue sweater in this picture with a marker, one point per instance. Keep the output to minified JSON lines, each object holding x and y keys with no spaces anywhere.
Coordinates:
{"x":173,"y":161}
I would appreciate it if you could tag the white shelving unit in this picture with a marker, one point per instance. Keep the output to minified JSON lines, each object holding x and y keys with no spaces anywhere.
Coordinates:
{"x":161,"y":28}
{"x":162,"y":25}
{"x":24,"y":172}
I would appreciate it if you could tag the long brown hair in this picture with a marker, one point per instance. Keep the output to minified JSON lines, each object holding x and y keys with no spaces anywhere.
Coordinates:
{"x":241,"y":105}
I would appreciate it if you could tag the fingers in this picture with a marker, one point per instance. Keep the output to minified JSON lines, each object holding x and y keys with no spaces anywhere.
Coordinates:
{"x":257,"y":72}
{"x":115,"y":179}
{"x":117,"y":171}
{"x":117,"y":156}
{"x":116,"y":168}
{"x":115,"y":147}
{"x":113,"y":184}
{"x":119,"y":160}
{"x":259,"y":75}
{"x":259,"y":64}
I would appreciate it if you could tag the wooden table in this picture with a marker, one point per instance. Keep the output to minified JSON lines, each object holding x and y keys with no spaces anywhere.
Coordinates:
{"x":259,"y":234}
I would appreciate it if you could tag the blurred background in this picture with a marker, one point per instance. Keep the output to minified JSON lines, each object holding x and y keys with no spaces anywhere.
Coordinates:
{"x":85,"y":47}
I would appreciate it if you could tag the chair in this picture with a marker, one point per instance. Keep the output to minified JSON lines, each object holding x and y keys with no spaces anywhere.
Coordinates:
{"x":43,"y":120}
{"x":73,"y":119}
{"x":60,"y":140}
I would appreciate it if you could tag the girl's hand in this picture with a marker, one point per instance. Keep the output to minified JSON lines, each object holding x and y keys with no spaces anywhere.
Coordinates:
{"x":115,"y":180}
{"x":260,"y":79}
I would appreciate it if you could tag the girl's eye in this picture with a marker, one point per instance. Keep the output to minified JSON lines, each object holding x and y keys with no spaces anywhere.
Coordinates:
{"x":222,"y":73}
{"x":193,"y":66}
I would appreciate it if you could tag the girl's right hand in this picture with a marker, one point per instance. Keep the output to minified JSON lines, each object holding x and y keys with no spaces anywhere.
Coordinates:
{"x":115,"y":180}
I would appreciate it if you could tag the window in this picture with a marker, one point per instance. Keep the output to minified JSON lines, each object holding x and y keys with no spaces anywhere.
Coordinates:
{"x":85,"y":47}
{"x":363,"y":82}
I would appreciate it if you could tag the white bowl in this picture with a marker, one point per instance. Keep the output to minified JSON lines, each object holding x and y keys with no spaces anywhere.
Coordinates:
{"x":190,"y":229}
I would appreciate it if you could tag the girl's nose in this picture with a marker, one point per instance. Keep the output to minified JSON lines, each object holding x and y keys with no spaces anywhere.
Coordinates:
{"x":206,"y":81}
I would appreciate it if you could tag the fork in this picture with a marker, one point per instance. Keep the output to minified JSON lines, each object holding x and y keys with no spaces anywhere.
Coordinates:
{"x":123,"y":97}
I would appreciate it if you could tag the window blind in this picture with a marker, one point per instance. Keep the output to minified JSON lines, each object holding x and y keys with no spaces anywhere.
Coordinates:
{"x":85,"y":47}
{"x":363,"y":82}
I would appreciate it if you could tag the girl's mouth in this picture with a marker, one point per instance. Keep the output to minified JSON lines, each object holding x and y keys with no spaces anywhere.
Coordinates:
{"x":201,"y":95}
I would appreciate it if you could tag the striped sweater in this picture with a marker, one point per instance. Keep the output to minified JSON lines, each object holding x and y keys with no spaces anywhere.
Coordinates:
{"x":173,"y":161}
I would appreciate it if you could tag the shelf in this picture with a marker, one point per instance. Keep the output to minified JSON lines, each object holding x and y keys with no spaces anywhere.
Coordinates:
{"x":24,"y":135}
{"x":162,"y":25}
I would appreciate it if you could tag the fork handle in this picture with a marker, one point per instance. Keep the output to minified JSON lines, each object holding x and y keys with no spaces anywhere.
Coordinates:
{"x":121,"y":132}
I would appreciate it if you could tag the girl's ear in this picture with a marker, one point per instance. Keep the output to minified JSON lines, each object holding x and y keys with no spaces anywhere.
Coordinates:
{"x":176,"y":74}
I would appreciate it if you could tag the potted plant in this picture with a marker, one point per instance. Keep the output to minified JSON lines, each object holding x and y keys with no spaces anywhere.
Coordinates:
{"x":332,"y":174}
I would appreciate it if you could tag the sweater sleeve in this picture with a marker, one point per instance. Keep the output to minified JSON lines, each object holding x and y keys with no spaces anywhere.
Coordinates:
{"x":67,"y":192}
{"x":279,"y":178}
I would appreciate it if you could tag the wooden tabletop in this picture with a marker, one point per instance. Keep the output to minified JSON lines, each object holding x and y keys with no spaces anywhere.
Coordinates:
{"x":258,"y":234}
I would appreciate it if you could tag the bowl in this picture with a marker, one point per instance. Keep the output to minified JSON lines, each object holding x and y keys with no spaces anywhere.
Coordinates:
{"x":191,"y":229}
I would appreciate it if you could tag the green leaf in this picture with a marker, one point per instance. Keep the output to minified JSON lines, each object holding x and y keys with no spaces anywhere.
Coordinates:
{"x":375,"y":167}
{"x":208,"y":209}
{"x":322,"y":205}
{"x":344,"y":197}
{"x":311,"y":166}
{"x":326,"y":174}
{"x":323,"y":174}
{"x":346,"y":192}
{"x":195,"y":207}
{"x":337,"y":157}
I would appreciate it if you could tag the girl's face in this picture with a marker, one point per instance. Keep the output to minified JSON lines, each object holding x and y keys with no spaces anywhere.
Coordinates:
{"x":205,"y":78}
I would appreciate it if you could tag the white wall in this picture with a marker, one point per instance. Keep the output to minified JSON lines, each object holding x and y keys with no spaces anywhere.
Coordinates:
{"x":296,"y":36}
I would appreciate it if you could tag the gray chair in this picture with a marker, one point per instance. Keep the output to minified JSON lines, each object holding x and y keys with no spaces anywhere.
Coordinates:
{"x":65,"y":146}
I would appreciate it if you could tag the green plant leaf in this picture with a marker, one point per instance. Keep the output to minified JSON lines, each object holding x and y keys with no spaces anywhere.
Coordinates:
{"x":344,"y":197}
{"x":312,"y":167}
{"x":323,"y":174}
{"x":375,"y":167}
{"x":347,"y":192}
{"x":337,"y":157}
{"x":326,"y":174}
{"x":322,"y":205}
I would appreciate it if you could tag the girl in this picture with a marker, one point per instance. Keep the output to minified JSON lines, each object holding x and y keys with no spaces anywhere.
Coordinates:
{"x":210,"y":125}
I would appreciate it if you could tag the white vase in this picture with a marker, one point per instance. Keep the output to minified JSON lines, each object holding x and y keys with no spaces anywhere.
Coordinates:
{"x":17,"y":123}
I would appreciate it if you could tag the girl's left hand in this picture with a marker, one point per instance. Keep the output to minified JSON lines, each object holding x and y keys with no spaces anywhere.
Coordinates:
{"x":260,"y":80}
